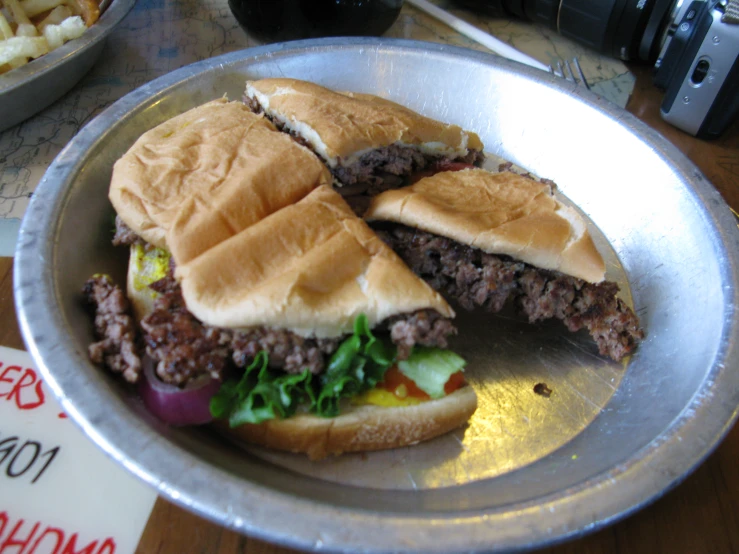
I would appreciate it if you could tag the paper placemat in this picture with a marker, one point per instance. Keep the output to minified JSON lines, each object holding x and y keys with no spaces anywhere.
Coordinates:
{"x":59,"y":493}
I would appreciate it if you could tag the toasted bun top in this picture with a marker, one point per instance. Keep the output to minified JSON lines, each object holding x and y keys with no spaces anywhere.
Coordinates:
{"x":341,"y":126}
{"x":310,"y":268}
{"x":204,"y":175}
{"x":499,"y":213}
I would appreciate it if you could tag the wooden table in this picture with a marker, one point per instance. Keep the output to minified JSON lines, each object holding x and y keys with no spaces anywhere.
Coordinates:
{"x":700,"y":515}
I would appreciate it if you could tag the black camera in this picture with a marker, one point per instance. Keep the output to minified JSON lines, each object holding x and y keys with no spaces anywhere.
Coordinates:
{"x":694,"y":45}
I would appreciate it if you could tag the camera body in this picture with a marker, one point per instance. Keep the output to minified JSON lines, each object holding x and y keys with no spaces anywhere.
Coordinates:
{"x":694,"y":45}
{"x":698,"y":68}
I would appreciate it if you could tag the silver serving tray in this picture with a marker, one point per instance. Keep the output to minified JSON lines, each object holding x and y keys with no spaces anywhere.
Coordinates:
{"x":29,"y":89}
{"x":528,"y":470}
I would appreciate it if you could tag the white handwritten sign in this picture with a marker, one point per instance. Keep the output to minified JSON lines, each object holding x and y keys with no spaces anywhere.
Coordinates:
{"x":59,"y":494}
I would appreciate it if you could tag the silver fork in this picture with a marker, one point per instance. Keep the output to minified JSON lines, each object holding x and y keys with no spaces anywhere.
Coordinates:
{"x":565,"y":70}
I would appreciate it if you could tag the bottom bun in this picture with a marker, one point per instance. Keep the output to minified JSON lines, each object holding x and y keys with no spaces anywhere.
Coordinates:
{"x":360,"y":428}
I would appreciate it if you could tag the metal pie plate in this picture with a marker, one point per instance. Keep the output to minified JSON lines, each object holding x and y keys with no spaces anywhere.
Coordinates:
{"x":528,"y":470}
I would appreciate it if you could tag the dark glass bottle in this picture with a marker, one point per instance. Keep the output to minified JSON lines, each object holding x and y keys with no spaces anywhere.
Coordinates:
{"x":279,"y":20}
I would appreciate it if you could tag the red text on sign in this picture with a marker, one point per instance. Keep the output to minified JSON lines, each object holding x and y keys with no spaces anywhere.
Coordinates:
{"x":20,"y":537}
{"x":21,"y":386}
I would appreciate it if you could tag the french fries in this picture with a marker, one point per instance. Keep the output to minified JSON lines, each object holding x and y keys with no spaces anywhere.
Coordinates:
{"x":22,"y":48}
{"x":88,"y":9}
{"x":32,"y":28}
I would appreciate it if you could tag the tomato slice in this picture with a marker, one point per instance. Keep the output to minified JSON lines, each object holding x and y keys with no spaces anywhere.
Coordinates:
{"x":456,"y":380}
{"x":402,"y":387}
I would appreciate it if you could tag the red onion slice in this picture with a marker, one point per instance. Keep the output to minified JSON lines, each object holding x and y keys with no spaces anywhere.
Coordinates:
{"x":173,"y":405}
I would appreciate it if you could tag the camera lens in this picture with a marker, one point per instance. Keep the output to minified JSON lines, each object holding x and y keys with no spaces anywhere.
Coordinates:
{"x":516,"y":7}
{"x":493,"y":8}
{"x":626,"y":29}
{"x":630,"y":29}
{"x":590,"y":23}
{"x":658,"y":20}
{"x":614,"y":27}
{"x":542,"y":11}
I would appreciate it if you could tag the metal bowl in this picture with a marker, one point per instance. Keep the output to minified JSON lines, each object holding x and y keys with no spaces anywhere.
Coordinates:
{"x":29,"y":89}
{"x":528,"y":470}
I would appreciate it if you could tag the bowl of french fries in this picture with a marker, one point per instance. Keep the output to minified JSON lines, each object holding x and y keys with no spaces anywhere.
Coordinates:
{"x":46,"y":47}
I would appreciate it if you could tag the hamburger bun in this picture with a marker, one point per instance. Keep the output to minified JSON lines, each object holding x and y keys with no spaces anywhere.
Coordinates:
{"x":341,"y":126}
{"x":311,"y":268}
{"x":204,"y":175}
{"x":499,"y":213}
{"x":360,"y":428}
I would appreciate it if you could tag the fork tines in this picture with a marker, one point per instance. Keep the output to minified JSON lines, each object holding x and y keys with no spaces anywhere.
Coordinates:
{"x":566,"y":71}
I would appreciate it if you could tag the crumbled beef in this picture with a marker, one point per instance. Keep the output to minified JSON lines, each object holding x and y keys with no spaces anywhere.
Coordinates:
{"x":287,"y":351}
{"x":114,"y":327}
{"x":474,"y":157}
{"x":359,"y":203}
{"x":424,"y":327}
{"x":475,"y":278}
{"x":388,"y":167}
{"x":508,"y":166}
{"x":394,"y":159}
{"x":124,"y":235}
{"x":252,"y":104}
{"x":182,"y":346}
{"x":294,"y":354}
{"x":185,"y":348}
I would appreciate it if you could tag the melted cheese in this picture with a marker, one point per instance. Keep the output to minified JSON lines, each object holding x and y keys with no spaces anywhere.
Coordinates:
{"x":382,"y":397}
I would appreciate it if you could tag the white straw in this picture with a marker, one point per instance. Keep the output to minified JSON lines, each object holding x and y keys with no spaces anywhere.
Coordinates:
{"x":481,"y":37}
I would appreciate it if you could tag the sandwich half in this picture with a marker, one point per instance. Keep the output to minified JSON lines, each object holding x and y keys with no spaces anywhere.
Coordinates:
{"x":369,"y":143}
{"x":488,"y":239}
{"x":262,"y":286}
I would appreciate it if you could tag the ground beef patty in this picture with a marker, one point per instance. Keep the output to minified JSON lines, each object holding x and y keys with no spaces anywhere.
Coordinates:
{"x":124,"y":235}
{"x":114,"y":327}
{"x":388,"y":167}
{"x":424,"y":327}
{"x":475,"y":278}
{"x":184,"y":348}
{"x":287,"y":351}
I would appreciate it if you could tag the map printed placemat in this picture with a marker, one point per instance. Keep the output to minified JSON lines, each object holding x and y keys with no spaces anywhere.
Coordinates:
{"x":159,"y":36}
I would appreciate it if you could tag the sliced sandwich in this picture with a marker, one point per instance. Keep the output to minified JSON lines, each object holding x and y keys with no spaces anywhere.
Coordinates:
{"x":368,"y":142}
{"x":489,"y":239}
{"x":287,"y":315}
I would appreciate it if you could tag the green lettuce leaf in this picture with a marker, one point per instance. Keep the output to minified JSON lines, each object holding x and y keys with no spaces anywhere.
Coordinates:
{"x":261,"y":394}
{"x":358,"y":365}
{"x":430,"y":368}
